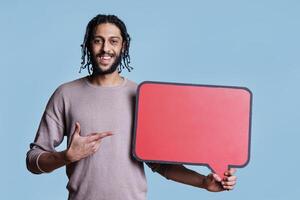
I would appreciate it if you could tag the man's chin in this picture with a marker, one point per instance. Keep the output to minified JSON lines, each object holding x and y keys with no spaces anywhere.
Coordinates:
{"x":103,"y":70}
{"x":98,"y":69}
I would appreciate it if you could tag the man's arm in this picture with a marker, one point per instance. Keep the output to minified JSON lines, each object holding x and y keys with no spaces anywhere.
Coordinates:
{"x":181,"y":174}
{"x":79,"y":148}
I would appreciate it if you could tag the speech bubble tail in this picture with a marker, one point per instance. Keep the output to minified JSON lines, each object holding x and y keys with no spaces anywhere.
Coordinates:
{"x":219,"y":169}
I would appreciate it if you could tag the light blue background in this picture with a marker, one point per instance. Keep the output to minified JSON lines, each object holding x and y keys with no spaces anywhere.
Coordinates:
{"x":244,"y":43}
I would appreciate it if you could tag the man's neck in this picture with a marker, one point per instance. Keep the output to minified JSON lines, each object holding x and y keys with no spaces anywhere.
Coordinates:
{"x":113,"y":79}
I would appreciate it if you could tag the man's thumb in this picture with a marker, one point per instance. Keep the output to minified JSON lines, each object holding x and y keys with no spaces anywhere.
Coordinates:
{"x":77,"y":128}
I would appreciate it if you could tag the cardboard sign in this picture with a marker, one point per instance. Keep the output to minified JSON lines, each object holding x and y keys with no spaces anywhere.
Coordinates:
{"x":193,"y":124}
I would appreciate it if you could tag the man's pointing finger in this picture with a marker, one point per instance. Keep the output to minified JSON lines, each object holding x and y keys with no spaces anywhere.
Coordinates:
{"x":98,"y":136}
{"x":105,"y":134}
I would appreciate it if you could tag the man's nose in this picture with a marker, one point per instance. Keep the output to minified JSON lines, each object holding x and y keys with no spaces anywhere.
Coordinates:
{"x":106,"y":46}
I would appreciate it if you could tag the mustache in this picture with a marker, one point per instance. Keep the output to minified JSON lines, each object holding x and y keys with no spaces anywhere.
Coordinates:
{"x":103,"y":53}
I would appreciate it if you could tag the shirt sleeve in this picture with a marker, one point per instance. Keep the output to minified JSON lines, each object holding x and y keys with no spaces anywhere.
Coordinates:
{"x":50,"y":132}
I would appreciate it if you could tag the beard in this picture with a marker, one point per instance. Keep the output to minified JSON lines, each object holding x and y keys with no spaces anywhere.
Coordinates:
{"x":97,"y":69}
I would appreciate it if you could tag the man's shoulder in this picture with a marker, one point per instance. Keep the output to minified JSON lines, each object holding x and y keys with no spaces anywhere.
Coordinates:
{"x":64,"y":92}
{"x":70,"y":86}
{"x":132,"y":84}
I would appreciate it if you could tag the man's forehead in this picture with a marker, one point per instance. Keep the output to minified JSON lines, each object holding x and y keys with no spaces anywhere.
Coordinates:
{"x":107,"y":30}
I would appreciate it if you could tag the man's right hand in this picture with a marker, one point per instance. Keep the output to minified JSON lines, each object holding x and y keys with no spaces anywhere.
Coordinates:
{"x":83,"y":146}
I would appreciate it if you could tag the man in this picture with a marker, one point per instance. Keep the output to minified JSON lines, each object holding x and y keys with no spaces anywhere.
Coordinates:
{"x":96,"y":114}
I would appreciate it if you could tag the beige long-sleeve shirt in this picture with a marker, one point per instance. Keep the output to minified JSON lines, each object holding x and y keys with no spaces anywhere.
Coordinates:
{"x":111,"y":173}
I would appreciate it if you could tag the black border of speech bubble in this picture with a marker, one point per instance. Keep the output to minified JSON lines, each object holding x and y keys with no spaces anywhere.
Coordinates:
{"x":188,"y":84}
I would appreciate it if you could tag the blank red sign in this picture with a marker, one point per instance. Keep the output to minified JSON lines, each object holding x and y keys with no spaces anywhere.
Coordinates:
{"x":193,"y":124}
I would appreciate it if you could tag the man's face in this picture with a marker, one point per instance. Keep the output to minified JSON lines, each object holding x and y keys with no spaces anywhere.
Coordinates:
{"x":106,"y":48}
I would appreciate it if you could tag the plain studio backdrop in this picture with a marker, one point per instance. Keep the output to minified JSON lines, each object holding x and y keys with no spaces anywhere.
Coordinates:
{"x":243,"y":43}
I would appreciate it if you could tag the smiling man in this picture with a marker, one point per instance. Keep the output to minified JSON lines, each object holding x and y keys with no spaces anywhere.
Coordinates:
{"x":96,"y":115}
{"x":105,"y":47}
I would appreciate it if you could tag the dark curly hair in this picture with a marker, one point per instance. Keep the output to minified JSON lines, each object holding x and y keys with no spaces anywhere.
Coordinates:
{"x":85,"y":52}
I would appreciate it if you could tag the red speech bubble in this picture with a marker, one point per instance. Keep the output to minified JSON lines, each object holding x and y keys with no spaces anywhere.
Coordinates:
{"x":193,"y":124}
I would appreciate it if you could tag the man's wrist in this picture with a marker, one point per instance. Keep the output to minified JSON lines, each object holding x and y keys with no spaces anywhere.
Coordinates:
{"x":38,"y":165}
{"x":66,"y":157}
{"x":203,"y":182}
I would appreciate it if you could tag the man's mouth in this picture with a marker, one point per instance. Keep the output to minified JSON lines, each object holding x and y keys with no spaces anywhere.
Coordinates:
{"x":105,"y":58}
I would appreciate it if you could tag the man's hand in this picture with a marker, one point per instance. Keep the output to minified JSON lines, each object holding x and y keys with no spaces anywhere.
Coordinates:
{"x":83,"y":146}
{"x":214,"y":183}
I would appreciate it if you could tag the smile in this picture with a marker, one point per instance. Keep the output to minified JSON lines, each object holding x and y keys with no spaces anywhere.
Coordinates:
{"x":104,"y":59}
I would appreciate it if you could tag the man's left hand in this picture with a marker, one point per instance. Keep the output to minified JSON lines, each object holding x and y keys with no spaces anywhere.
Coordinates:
{"x":214,"y":183}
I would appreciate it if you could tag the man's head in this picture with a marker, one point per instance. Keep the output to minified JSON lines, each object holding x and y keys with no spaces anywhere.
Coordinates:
{"x":105,"y":46}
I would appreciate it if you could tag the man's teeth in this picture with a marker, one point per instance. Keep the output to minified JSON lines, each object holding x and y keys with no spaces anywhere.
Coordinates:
{"x":105,"y":57}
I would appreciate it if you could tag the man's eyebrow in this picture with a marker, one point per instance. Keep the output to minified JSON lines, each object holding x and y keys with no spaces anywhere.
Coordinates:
{"x":116,"y":37}
{"x":113,"y":37}
{"x":97,"y":36}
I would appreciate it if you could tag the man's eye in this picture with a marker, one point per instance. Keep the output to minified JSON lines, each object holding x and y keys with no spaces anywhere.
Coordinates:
{"x":114,"y":42}
{"x":97,"y":41}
